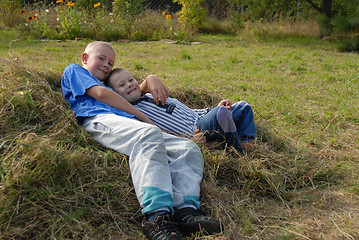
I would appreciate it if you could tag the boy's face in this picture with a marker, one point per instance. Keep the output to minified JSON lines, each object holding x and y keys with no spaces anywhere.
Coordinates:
{"x":126,"y":85}
{"x":99,"y":61}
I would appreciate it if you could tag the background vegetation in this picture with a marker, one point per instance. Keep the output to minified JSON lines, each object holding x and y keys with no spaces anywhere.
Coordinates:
{"x":300,"y":180}
{"x":338,"y":20}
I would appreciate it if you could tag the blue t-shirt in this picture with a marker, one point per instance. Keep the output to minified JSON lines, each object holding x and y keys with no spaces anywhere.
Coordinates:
{"x":75,"y":81}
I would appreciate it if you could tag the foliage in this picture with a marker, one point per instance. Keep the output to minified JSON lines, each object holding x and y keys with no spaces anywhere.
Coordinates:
{"x":191,"y":14}
{"x":88,"y":4}
{"x":325,"y":24}
{"x":346,"y":16}
{"x":9,"y":13}
{"x":126,"y":8}
{"x":66,"y":20}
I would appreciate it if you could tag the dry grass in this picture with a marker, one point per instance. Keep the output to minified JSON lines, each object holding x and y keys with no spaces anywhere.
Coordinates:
{"x":56,"y":182}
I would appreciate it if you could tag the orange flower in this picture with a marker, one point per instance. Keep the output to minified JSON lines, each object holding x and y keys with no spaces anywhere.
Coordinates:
{"x":97,"y":4}
{"x":163,"y":13}
{"x":22,"y":12}
{"x":70,"y":4}
{"x":30,"y":18}
{"x":60,"y":1}
{"x":168,"y":16}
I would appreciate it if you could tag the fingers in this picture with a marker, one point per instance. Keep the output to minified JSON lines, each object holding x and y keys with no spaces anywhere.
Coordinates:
{"x":226,"y":103}
{"x":160,"y":94}
{"x":163,"y":93}
{"x":198,"y":137}
{"x":196,"y":131}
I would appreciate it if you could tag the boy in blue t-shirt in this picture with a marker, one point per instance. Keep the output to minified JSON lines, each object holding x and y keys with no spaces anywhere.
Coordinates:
{"x":166,"y":170}
{"x":230,"y":123}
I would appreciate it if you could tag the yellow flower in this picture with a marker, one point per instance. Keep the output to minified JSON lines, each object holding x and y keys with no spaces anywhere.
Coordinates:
{"x":22,"y":12}
{"x":60,"y":1}
{"x":168,"y":16}
{"x":97,"y":4}
{"x":163,"y":13}
{"x":70,"y":4}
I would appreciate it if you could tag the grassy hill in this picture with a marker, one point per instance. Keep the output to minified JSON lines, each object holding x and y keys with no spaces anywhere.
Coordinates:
{"x":300,"y":180}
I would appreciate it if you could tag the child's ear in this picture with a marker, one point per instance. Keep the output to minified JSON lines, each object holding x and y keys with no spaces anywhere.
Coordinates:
{"x":84,"y":58}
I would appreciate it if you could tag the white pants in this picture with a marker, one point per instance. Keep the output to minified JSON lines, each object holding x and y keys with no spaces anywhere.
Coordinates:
{"x":166,"y":170}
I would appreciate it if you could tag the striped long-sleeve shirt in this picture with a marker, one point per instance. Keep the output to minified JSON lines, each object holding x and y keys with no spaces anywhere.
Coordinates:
{"x":173,"y":117}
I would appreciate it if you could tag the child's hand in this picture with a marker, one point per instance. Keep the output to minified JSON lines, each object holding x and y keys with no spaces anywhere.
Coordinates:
{"x":198,"y":137}
{"x":155,"y":86}
{"x":226,"y":103}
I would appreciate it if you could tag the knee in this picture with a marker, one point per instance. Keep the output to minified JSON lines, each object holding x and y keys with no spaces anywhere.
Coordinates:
{"x":240,"y":104}
{"x":151,"y":131}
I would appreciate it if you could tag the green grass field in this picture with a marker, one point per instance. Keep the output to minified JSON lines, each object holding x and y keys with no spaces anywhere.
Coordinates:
{"x":300,"y":180}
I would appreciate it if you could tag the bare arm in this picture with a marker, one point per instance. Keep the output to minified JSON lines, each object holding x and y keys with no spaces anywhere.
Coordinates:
{"x":152,"y":84}
{"x":114,"y":100}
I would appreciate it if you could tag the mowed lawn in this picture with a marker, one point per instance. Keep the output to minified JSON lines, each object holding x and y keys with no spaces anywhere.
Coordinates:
{"x":300,"y":180}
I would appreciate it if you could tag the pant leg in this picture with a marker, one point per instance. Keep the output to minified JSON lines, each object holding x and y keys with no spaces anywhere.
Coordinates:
{"x":186,"y":166}
{"x":213,"y":131}
{"x":242,"y":114}
{"x":148,"y":157}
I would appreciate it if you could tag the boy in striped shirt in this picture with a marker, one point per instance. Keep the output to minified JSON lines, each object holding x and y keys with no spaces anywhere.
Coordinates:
{"x":230,"y":123}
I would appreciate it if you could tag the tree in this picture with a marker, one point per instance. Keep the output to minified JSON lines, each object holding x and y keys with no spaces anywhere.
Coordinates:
{"x":326,"y":27}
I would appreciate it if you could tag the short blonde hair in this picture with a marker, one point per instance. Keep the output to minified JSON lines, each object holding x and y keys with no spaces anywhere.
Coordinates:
{"x":95,"y":45}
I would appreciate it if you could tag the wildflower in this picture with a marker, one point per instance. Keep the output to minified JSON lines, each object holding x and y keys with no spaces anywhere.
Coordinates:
{"x":30,"y":18}
{"x":163,"y":13}
{"x":57,"y":19}
{"x":60,"y":1}
{"x":97,"y":4}
{"x":22,"y":12}
{"x":70,"y":4}
{"x":47,"y":10}
{"x":168,"y":16}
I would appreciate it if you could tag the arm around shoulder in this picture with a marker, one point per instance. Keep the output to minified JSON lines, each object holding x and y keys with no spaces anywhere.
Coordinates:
{"x":115,"y":100}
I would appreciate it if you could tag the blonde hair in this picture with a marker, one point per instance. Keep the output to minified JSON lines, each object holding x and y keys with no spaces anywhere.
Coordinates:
{"x":92,"y":46}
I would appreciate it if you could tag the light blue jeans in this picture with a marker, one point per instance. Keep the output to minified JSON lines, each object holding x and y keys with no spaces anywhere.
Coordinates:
{"x":166,"y":170}
{"x":243,"y":118}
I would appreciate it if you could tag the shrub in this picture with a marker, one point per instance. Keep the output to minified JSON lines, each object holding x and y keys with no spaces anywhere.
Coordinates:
{"x":9,"y":13}
{"x":124,"y":7}
{"x":192,"y":14}
{"x":66,"y":20}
